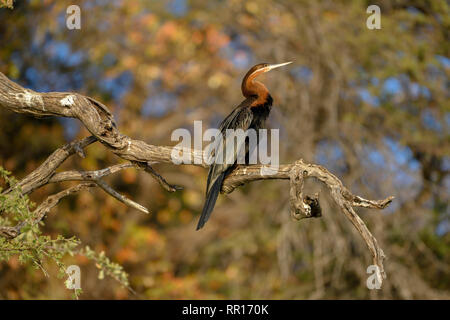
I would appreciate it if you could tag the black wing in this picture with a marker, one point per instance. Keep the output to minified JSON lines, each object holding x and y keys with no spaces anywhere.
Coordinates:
{"x":240,"y":118}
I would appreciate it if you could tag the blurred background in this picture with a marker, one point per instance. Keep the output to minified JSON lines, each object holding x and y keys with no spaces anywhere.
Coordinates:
{"x":370,"y":105}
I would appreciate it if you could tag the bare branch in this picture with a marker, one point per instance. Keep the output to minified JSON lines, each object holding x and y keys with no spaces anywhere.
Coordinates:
{"x":358,"y":201}
{"x":96,"y":176}
{"x":77,"y":175}
{"x":102,"y":184}
{"x":158,"y":177}
{"x":46,"y":170}
{"x":100,"y":123}
{"x":340,"y":194}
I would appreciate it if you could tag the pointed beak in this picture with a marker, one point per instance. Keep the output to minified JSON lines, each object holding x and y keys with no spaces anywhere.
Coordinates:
{"x":274,"y":66}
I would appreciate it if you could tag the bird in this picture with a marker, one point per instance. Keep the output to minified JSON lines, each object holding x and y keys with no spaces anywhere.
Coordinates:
{"x":249,"y":114}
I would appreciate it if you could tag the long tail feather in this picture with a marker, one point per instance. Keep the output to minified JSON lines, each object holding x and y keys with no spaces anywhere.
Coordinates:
{"x":211,"y":198}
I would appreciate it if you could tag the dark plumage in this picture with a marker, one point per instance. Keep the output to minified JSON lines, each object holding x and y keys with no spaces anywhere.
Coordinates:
{"x":250,"y":114}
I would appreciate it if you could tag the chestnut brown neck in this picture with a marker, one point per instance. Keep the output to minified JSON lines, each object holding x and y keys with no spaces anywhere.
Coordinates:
{"x":252,"y":88}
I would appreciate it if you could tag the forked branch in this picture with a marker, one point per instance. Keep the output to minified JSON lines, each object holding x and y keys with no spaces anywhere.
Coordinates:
{"x":100,"y":123}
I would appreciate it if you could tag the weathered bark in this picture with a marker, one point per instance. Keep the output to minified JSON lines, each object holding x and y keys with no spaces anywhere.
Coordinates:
{"x":100,"y":123}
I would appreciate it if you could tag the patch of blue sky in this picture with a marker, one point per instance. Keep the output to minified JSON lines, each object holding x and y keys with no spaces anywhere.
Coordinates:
{"x":444,"y":61}
{"x":364,"y":93}
{"x":238,"y":53}
{"x":376,"y":157}
{"x":403,"y":155}
{"x":62,"y":53}
{"x":368,"y":98}
{"x":159,"y":104}
{"x":55,"y":52}
{"x":430,"y":121}
{"x":412,"y":10}
{"x":446,"y":185}
{"x":58,"y":81}
{"x":75,"y":59}
{"x":178,"y":8}
{"x":109,"y":60}
{"x":93,"y":71}
{"x":330,"y":154}
{"x":117,"y":86}
{"x":404,"y":169}
{"x":71,"y":127}
{"x":100,"y":3}
{"x":58,"y":52}
{"x":242,"y":59}
{"x":397,"y":163}
{"x":392,"y":86}
{"x":302,"y":73}
{"x":77,"y":80}
{"x":418,"y":90}
{"x":36,"y":81}
{"x":403,"y":164}
{"x":446,"y":164}
{"x":443,"y":227}
{"x":403,"y":178}
{"x":32,"y":76}
{"x":103,"y":25}
{"x":159,"y":101}
{"x":61,"y":19}
{"x":16,"y":58}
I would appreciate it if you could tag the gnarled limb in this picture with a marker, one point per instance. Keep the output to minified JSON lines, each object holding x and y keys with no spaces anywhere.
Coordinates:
{"x":46,"y":170}
{"x":100,"y":123}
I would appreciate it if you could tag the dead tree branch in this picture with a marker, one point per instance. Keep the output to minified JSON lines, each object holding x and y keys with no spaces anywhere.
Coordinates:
{"x":46,"y":170}
{"x":100,"y":123}
{"x":96,"y":176}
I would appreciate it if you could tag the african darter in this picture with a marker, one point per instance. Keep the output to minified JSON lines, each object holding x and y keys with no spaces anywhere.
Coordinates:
{"x":250,"y":114}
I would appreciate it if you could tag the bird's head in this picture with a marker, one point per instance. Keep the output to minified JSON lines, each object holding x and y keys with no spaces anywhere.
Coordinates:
{"x":255,"y":71}
{"x":263,"y":68}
